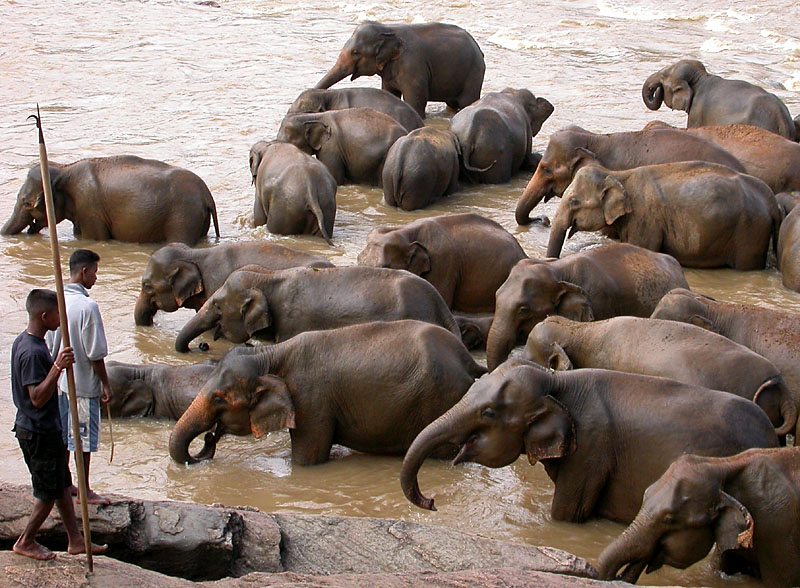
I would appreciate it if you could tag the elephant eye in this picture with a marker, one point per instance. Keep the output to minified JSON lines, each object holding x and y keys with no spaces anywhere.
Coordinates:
{"x":524,"y":310}
{"x":574,"y":203}
{"x":669,"y":519}
{"x":488,"y":413}
{"x":354,"y":53}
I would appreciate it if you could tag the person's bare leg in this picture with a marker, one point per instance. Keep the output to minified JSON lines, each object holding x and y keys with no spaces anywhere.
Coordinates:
{"x":74,"y":536}
{"x":92,"y":497}
{"x":26,"y":544}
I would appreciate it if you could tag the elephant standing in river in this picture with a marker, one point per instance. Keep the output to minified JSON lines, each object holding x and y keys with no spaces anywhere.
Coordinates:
{"x":703,"y":214}
{"x":421,"y":62}
{"x":295,"y":193}
{"x":602,"y":436}
{"x":594,"y":284}
{"x":711,"y":100}
{"x":284,"y":303}
{"x":371,"y":387}
{"x":319,"y":100}
{"x":570,"y":149}
{"x":748,"y":504}
{"x":789,"y":248}
{"x":352,"y":143}
{"x":178,"y":276}
{"x":495,"y":134}
{"x":126,"y":198}
{"x":669,"y":349}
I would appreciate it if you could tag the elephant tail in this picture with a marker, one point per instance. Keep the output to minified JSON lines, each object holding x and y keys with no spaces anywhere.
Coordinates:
{"x":777,"y":219}
{"x":472,"y":168}
{"x":212,"y":206}
{"x":316,"y":210}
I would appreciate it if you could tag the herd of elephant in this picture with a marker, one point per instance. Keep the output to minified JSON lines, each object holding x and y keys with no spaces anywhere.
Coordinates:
{"x":646,"y":403}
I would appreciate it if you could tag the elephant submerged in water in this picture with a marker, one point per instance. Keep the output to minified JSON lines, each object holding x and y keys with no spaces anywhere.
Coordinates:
{"x":378,"y":385}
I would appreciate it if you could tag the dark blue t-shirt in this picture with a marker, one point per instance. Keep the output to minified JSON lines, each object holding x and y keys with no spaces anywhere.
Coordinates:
{"x":30,"y":363}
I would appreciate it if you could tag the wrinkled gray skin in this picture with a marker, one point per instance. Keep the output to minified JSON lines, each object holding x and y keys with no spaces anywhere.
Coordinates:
{"x":495,"y":134}
{"x":711,"y":100}
{"x":789,"y":247}
{"x":320,"y":100}
{"x":594,"y":284}
{"x":178,"y":276}
{"x":421,"y":168}
{"x":434,"y":62}
{"x":153,"y":390}
{"x":669,"y":349}
{"x":703,"y":214}
{"x":295,"y":193}
{"x":126,"y":198}
{"x":602,"y":436}
{"x":352,"y":143}
{"x":748,"y":504}
{"x":770,"y":333}
{"x":282,"y":303}
{"x":377,"y":386}
{"x":573,"y":147}
{"x":465,"y":256}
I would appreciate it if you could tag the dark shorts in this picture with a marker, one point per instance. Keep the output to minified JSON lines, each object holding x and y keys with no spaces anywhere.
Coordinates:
{"x":46,"y":458}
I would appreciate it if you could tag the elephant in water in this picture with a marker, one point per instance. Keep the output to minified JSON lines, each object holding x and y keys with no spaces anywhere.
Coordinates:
{"x":126,"y":198}
{"x":602,"y":436}
{"x":711,"y":100}
{"x":371,"y":387}
{"x":421,"y":62}
{"x":789,"y":247}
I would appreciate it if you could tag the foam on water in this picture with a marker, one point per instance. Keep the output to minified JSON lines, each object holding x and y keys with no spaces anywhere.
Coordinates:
{"x":714,"y":45}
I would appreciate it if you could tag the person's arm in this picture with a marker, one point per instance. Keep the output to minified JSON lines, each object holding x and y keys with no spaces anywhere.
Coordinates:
{"x":41,"y":392}
{"x":99,"y":367}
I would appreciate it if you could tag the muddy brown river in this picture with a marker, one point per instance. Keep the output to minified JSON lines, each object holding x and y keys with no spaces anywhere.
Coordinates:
{"x":196,"y":86}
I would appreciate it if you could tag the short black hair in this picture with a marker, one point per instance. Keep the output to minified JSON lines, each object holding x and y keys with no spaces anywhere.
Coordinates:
{"x":39,"y":301}
{"x":80,"y":258}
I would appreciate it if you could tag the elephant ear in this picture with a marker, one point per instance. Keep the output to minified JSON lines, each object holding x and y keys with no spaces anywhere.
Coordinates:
{"x":271,"y":408}
{"x":550,"y":433}
{"x":616,"y":201}
{"x":701,"y":321}
{"x":255,"y":311}
{"x":582,"y":157}
{"x":389,"y":48}
{"x":572,"y":302}
{"x":316,"y":133}
{"x":137,"y":400}
{"x":186,"y":281}
{"x":419,"y":260}
{"x":734,"y":528}
{"x":558,"y":360}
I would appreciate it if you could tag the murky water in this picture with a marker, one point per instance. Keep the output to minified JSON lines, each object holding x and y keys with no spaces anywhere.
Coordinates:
{"x":196,"y":86}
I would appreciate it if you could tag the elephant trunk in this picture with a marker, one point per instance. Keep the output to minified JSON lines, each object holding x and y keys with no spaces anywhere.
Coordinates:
{"x":653,"y":91}
{"x":538,"y":187}
{"x":204,"y":320}
{"x":558,"y":232}
{"x":17,"y":223}
{"x":191,"y":424}
{"x":337,"y":73}
{"x":145,"y":310}
{"x":501,"y":340}
{"x":631,"y":549}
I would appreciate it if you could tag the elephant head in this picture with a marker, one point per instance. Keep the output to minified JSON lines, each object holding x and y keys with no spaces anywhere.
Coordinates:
{"x":29,"y":210}
{"x":131,"y":395}
{"x":170,"y":281}
{"x":307,"y":132}
{"x":241,"y":397}
{"x":371,"y":47}
{"x":595,"y":199}
{"x":311,"y":100}
{"x":680,"y":304}
{"x":538,"y":110}
{"x":502,"y":415}
{"x":682,"y":515}
{"x":544,"y":346}
{"x":674,"y":85}
{"x":391,"y":248}
{"x":532,"y":291}
{"x":256,"y":154}
{"x":567,"y":151}
{"x":238,"y":310}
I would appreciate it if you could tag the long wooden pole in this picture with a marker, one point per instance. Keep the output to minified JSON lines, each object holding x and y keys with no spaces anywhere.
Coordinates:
{"x":62,"y":311}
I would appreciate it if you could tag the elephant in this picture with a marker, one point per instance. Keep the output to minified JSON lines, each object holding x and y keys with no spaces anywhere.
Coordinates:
{"x":466,"y":257}
{"x":711,"y":100}
{"x":495,"y":134}
{"x":771,"y":158}
{"x":594,"y":284}
{"x":421,"y":62}
{"x":154,"y":390}
{"x":378,"y":385}
{"x":295,"y":193}
{"x":421,"y":168}
{"x":703,"y":214}
{"x":283,"y":303}
{"x":789,"y":250}
{"x":352,"y":143}
{"x":669,"y":349}
{"x":126,"y":198}
{"x":602,"y":436}
{"x":573,"y":147}
{"x":178,"y":276}
{"x":748,"y":504}
{"x":321,"y":100}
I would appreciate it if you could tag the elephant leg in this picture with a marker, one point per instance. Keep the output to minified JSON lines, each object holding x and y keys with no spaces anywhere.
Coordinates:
{"x":312,"y":446}
{"x":259,"y":216}
{"x":576,"y":497}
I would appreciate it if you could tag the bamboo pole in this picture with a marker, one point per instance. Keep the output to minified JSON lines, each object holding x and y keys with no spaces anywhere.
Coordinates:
{"x":62,"y":311}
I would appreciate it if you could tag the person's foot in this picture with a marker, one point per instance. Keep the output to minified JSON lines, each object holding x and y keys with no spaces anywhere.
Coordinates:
{"x":73,"y":490}
{"x":78,"y":549}
{"x":34,"y":550}
{"x":93,"y":497}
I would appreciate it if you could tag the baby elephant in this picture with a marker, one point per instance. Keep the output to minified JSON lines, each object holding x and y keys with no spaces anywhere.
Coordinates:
{"x":748,"y":504}
{"x":421,"y":168}
{"x":295,"y":193}
{"x":374,"y":387}
{"x":465,"y":256}
{"x":288,"y":302}
{"x":669,"y":349}
{"x":703,"y":214}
